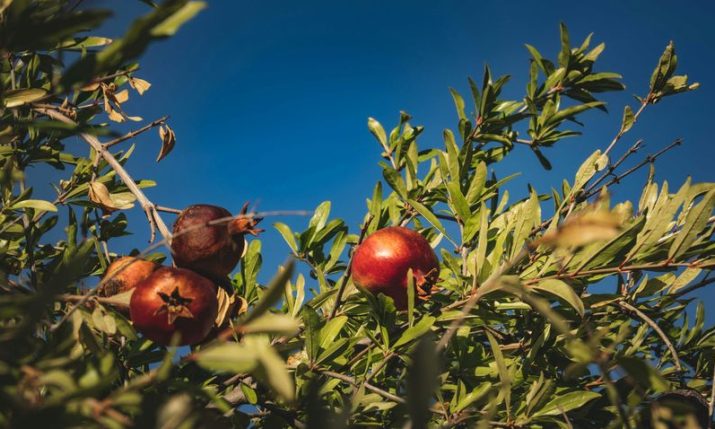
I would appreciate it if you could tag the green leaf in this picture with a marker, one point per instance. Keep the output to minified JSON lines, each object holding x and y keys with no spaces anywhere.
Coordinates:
{"x":572,"y":111}
{"x":228,"y":357}
{"x":311,"y":322}
{"x":376,"y":129}
{"x":394,"y":179}
{"x":643,"y":374}
{"x":562,"y":290}
{"x":458,"y":103}
{"x":170,"y":25}
{"x":273,"y":291}
{"x":473,"y":396}
{"x":695,"y":221}
{"x":502,"y":369}
{"x":273,"y":371}
{"x":320,"y":216}
{"x":422,"y":381}
{"x":270,"y":323}
{"x":287,"y":235}
{"x":18,"y":97}
{"x":628,"y":119}
{"x":665,"y":68}
{"x":565,"y":403}
{"x":565,"y":53}
{"x":430,"y":217}
{"x":34,"y":204}
{"x":413,"y":332}
{"x":331,"y":330}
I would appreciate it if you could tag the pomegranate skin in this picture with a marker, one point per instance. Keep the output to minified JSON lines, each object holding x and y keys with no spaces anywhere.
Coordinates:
{"x":381,"y":262}
{"x":124,"y":274}
{"x":210,"y":250}
{"x":174,"y":300}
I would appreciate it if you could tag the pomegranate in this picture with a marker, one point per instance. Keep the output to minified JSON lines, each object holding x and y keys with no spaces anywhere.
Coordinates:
{"x":381,"y":262}
{"x":124,"y":274}
{"x":211,"y":250}
{"x":174,"y":300}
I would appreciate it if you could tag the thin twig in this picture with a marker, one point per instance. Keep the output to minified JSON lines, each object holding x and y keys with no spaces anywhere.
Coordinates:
{"x":711,"y":406}
{"x":167,"y":209}
{"x":674,"y":353}
{"x":135,"y":133}
{"x":622,"y":131}
{"x":155,"y":220}
{"x":648,"y":160}
{"x":488,"y":285}
{"x":612,"y":167}
{"x":348,"y":270}
{"x":368,"y":386}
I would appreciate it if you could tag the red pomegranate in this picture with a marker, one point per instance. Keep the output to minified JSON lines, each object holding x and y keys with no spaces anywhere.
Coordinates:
{"x":174,"y":300}
{"x":381,"y":262}
{"x":124,"y":274}
{"x":212,"y":250}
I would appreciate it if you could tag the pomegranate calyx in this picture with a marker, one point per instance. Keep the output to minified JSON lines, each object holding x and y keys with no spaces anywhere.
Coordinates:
{"x":175,"y":306}
{"x":245,"y":225}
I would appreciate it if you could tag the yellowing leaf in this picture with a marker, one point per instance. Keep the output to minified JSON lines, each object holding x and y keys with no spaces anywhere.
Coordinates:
{"x":35,"y":204}
{"x":121,"y":96}
{"x":582,"y":229}
{"x":99,"y":194}
{"x":139,"y":85}
{"x":18,"y":97}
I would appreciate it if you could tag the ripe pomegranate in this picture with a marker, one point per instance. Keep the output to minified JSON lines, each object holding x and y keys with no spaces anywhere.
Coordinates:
{"x":174,"y":300}
{"x":211,"y":250}
{"x":124,"y":274}
{"x":381,"y":262}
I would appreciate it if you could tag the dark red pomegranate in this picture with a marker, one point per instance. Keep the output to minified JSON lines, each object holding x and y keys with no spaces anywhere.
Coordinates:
{"x":124,"y":274}
{"x":381,"y":262}
{"x":212,"y":250}
{"x":174,"y":300}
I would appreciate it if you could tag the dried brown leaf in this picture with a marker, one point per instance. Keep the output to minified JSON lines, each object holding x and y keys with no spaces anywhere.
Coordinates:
{"x":168,"y":141}
{"x":100,"y":195}
{"x":139,"y":85}
{"x":582,"y":229}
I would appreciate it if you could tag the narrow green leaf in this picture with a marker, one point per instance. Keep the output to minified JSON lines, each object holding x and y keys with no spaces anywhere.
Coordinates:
{"x":171,"y":25}
{"x":376,"y":129}
{"x":228,"y":357}
{"x":562,"y":290}
{"x":422,"y":381}
{"x":416,"y":331}
{"x":628,"y":119}
{"x":273,"y":291}
{"x":34,"y":204}
{"x":567,"y":402}
{"x":18,"y":97}
{"x":271,"y":323}
{"x":695,"y":221}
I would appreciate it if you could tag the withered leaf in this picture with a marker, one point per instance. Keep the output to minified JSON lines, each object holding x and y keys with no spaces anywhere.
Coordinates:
{"x":139,"y":85}
{"x":99,"y":194}
{"x":582,"y":229}
{"x":168,"y":141}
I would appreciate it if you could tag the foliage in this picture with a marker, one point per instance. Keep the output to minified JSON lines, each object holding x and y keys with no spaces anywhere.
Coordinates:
{"x":576,"y":318}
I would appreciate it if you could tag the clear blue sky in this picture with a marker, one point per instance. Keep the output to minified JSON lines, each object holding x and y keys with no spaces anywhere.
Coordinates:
{"x":269,"y":99}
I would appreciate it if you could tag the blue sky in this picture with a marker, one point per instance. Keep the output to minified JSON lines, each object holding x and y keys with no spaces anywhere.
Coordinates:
{"x":270,"y":99}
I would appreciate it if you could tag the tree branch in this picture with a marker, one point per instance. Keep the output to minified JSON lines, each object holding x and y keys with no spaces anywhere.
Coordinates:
{"x":135,"y":133}
{"x":155,"y":220}
{"x":674,"y":353}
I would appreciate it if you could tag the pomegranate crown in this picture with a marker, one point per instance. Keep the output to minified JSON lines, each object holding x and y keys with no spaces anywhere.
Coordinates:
{"x":245,"y":223}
